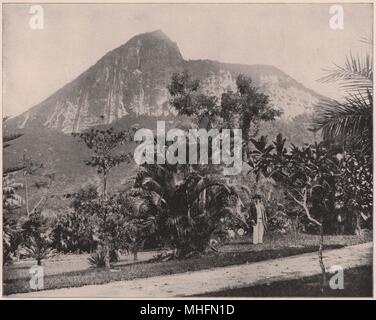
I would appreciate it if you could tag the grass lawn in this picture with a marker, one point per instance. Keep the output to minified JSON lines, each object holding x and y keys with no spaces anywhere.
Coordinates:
{"x":357,"y":283}
{"x":16,"y":279}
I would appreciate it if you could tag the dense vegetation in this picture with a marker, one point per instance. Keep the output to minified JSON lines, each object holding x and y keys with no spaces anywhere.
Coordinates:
{"x":322,"y":186}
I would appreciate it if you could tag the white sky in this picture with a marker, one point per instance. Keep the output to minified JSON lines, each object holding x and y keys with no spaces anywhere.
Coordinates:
{"x":295,"y":38}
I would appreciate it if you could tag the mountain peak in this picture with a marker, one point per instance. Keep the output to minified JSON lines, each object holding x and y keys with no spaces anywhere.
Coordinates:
{"x":154,"y":46}
{"x":159,"y":34}
{"x":132,"y":80}
{"x":156,"y":35}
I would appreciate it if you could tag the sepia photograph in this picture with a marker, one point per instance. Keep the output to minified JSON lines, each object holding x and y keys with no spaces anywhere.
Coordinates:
{"x":187,"y":150}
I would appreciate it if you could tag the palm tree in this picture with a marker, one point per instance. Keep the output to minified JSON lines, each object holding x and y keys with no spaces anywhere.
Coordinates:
{"x":350,"y":119}
{"x":187,"y":205}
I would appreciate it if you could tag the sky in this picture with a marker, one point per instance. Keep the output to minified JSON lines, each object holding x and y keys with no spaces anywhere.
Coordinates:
{"x":296,"y":38}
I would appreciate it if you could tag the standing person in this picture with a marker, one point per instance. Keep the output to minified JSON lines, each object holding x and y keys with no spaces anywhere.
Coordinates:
{"x":258,"y":219}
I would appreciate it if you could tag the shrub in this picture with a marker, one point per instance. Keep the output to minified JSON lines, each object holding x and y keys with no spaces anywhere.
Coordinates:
{"x":35,"y":236}
{"x":98,"y":259}
{"x":74,"y":231}
{"x":39,"y":248}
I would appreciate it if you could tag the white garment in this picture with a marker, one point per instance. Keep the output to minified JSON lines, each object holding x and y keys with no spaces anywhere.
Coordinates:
{"x":258,"y":229}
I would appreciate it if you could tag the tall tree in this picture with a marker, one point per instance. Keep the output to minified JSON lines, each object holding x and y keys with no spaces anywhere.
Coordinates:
{"x":188,"y":99}
{"x":105,"y":156}
{"x":30,"y":167}
{"x":308,"y":175}
{"x":245,"y":108}
{"x":350,"y":124}
{"x":36,"y":236}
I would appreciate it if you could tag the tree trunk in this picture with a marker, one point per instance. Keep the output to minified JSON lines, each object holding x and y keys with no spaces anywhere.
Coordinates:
{"x":357,"y":225}
{"x":245,"y":134}
{"x":303,"y":203}
{"x":107,"y":259}
{"x":105,"y":185}
{"x":135,"y":255}
{"x":321,"y":261}
{"x":295,"y":231}
{"x":107,"y":254}
{"x":203,"y":201}
{"x":39,"y":261}
{"x":27,"y":197}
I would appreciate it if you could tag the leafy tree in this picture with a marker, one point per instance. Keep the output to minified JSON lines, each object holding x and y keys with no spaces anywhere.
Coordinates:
{"x":246,"y":108}
{"x":36,"y":236}
{"x":102,"y":220}
{"x":30,"y":168}
{"x":95,"y":221}
{"x":140,"y":223}
{"x":36,"y":174}
{"x":354,"y":190}
{"x":105,"y":156}
{"x":261,"y":156}
{"x":105,"y":144}
{"x":308,"y":174}
{"x":110,"y":226}
{"x":349,"y":123}
{"x":74,"y":231}
{"x":189,"y":100}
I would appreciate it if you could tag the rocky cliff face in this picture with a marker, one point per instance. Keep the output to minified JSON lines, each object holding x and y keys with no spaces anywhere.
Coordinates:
{"x":132,"y":80}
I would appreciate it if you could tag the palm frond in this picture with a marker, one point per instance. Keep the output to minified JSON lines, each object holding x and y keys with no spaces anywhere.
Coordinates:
{"x":366,"y":40}
{"x":351,"y":117}
{"x":148,"y":183}
{"x":355,"y":75}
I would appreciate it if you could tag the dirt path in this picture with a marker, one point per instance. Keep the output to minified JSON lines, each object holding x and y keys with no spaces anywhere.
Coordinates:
{"x":200,"y":282}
